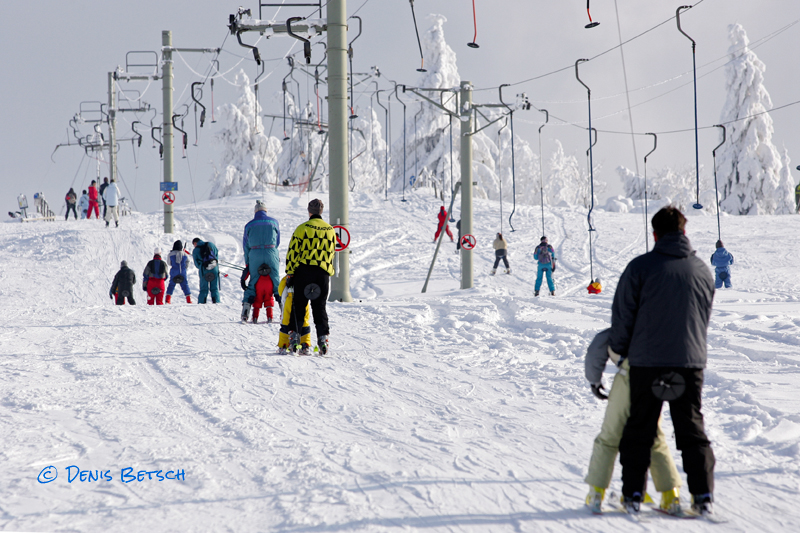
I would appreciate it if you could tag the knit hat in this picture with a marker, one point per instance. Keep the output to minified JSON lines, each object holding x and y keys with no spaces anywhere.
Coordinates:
{"x":719,"y":244}
{"x":543,"y":238}
{"x":123,"y":264}
{"x":597,"y":279}
{"x":260,"y":206}
{"x":178,"y":245}
{"x":315,"y":206}
{"x":157,"y":251}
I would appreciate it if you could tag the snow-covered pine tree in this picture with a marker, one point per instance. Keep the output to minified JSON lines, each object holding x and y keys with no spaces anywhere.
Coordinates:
{"x":749,"y":165}
{"x":248,"y":156}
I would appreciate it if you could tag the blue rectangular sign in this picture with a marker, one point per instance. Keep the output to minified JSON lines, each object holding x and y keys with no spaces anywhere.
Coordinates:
{"x":169,"y":185}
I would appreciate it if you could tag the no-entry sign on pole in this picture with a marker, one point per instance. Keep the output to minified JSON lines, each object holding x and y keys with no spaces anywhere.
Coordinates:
{"x":342,"y":238}
{"x":468,"y":242}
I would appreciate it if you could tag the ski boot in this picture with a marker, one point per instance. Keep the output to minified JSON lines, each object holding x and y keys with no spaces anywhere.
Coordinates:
{"x":671,"y":502}
{"x":493,"y":272}
{"x":188,"y":299}
{"x":508,"y":271}
{"x":536,"y":293}
{"x":294,"y":341}
{"x":305,"y":349}
{"x":322,"y":345}
{"x":106,"y":223}
{"x":594,"y":500}
{"x":283,"y":350}
{"x":168,"y":300}
{"x":245,"y":311}
{"x":633,"y":503}
{"x":552,"y":293}
{"x":255,"y":316}
{"x":701,"y":504}
{"x":117,"y":222}
{"x":269,"y":315}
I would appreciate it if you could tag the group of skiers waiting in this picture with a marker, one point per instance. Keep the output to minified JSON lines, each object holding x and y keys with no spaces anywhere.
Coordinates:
{"x":302,"y":292}
{"x":157,"y":272}
{"x":89,"y":202}
{"x":545,"y":257}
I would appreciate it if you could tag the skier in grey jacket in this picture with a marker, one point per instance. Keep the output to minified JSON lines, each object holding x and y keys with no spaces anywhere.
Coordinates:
{"x":659,"y":322}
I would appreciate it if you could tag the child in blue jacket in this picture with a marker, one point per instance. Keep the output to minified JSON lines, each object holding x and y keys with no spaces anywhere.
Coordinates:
{"x":722,"y":260}
{"x":177,"y":272}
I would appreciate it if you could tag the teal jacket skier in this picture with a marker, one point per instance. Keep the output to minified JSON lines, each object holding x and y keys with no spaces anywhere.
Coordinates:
{"x":260,"y":242}
{"x":205,"y":259}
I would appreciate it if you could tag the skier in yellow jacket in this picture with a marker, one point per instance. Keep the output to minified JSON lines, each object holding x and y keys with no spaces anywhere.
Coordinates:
{"x":309,"y":267}
{"x":290,"y":326}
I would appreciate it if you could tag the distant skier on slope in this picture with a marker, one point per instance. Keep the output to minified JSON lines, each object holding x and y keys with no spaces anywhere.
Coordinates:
{"x":264,"y":296}
{"x":177,"y":272}
{"x":442,"y":216}
{"x":606,"y":444}
{"x":293,"y":332}
{"x":205,"y":259}
{"x":260,"y":242}
{"x":93,"y":206}
{"x":153,"y":279}
{"x":83,"y":204}
{"x":111,"y":199}
{"x":71,"y":199}
{"x":500,"y":252}
{"x":546,"y":257}
{"x":722,"y":260}
{"x":122,"y":287}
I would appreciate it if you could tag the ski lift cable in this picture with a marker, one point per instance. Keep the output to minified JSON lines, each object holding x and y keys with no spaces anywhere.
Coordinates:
{"x":562,"y":69}
{"x":419,"y":43}
{"x":541,"y":166}
{"x":646,"y":237}
{"x":627,"y":94}
{"x":513,"y":172}
{"x":591,"y":165}
{"x":716,"y":187}
{"x":697,"y":204}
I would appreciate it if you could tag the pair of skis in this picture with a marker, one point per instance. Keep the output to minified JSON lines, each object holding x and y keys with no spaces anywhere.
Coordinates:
{"x":651,"y":510}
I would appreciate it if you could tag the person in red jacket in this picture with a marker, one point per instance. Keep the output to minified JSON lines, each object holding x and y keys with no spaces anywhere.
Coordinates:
{"x":154,"y":275}
{"x":264,"y":292}
{"x":93,"y":205}
{"x":443,"y":224}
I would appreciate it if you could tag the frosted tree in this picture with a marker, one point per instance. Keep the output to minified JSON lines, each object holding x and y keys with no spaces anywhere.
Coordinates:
{"x":567,"y":183}
{"x":673,"y":186}
{"x":367,"y":153}
{"x":248,"y":156}
{"x":304,"y":159}
{"x":749,"y":166}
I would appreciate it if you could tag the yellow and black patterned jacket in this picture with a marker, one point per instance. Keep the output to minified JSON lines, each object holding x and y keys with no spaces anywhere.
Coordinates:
{"x":313,"y":243}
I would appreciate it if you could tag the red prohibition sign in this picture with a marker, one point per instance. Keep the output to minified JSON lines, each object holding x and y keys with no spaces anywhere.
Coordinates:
{"x":168,"y":197}
{"x":468,"y":242}
{"x":342,"y":238}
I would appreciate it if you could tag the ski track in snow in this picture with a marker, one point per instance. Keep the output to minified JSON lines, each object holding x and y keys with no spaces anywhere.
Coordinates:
{"x":447,"y":411}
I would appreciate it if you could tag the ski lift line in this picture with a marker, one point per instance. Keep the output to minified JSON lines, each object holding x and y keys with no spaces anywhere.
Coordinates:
{"x":646,"y":237}
{"x":716,"y":187}
{"x":627,"y":92}
{"x":513,"y":173}
{"x":541,"y":168}
{"x":474,"y":43}
{"x":562,"y":69}
{"x":697,"y":204}
{"x":357,"y":10}
{"x":419,"y":43}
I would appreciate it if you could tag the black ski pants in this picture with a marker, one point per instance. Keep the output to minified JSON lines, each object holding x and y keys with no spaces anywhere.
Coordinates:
{"x":304,"y":276}
{"x":120,"y":300}
{"x":498,"y":255}
{"x":687,"y":420}
{"x":71,"y":207}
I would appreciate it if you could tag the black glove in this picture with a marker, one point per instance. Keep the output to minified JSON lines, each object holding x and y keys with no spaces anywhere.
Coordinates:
{"x":598,"y":390}
{"x":290,"y":281}
{"x":244,"y":284}
{"x":278,"y":297}
{"x":110,"y":295}
{"x":144,"y":286}
{"x":554,"y":265}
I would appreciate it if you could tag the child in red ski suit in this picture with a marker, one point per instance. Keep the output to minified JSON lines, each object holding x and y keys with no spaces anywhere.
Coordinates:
{"x":154,"y":275}
{"x":443,"y":224}
{"x":264,"y":295}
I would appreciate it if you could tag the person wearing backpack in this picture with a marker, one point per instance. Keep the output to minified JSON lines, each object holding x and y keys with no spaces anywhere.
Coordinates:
{"x":205,"y":259}
{"x":71,"y":200}
{"x":722,"y":260}
{"x":177,"y":272}
{"x":153,"y":279}
{"x":260,"y":242}
{"x":546,"y":257}
{"x":122,"y":287}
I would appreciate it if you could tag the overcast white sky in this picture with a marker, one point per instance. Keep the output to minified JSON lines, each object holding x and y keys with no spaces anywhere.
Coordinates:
{"x":57,"y":54}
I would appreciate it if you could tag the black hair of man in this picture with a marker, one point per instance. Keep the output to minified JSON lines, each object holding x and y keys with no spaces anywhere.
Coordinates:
{"x":669,"y":219}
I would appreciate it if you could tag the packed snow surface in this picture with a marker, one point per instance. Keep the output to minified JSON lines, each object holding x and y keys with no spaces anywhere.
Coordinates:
{"x":454,"y":410}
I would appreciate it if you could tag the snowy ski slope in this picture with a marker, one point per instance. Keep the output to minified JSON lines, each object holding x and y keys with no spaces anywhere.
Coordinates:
{"x":449,"y":411}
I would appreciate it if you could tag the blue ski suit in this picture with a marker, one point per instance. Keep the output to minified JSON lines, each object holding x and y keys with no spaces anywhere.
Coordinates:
{"x":177,"y":267}
{"x":544,"y":268}
{"x":262,"y":236}
{"x":722,"y":260}
{"x":205,"y":285}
